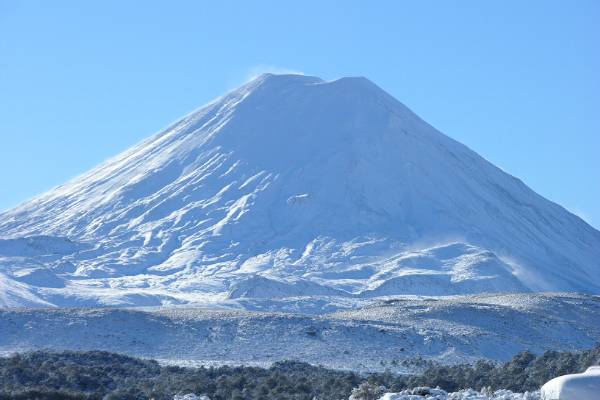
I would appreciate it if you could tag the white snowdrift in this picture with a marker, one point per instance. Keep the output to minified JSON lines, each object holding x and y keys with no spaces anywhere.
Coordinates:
{"x":584,"y":386}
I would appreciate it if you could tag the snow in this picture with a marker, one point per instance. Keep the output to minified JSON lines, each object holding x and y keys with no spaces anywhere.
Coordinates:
{"x":190,"y":396}
{"x":584,"y":386}
{"x":374,"y":335}
{"x":292,"y":183}
{"x":432,"y":394}
{"x":467,"y":394}
{"x":15,"y":294}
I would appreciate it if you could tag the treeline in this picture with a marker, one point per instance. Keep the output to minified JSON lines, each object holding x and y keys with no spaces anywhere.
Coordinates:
{"x":525,"y":372}
{"x":102,"y":375}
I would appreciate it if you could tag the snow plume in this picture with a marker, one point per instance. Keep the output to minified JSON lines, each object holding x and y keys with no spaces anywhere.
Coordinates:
{"x":257,"y":70}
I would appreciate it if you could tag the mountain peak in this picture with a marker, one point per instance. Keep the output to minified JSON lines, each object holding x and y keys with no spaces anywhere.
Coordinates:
{"x":280,"y":81}
{"x":296,"y":77}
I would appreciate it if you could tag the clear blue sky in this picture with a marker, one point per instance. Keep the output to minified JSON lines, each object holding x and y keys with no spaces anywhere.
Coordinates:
{"x":517,"y":81}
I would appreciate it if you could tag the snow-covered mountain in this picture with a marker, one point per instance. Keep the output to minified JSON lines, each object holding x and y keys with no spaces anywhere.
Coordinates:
{"x":292,"y":186}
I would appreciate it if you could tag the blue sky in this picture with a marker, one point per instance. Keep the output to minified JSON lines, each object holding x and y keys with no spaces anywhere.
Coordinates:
{"x":517,"y":81}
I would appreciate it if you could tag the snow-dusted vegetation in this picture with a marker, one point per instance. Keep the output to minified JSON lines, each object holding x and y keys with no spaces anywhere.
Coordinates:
{"x":395,"y":334}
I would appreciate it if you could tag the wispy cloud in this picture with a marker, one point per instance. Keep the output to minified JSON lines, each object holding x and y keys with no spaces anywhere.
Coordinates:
{"x":259,"y":69}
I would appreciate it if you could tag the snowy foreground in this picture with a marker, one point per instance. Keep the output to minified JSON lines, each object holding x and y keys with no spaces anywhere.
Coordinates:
{"x":374,"y":337}
{"x":430,"y":394}
{"x":468,"y":394}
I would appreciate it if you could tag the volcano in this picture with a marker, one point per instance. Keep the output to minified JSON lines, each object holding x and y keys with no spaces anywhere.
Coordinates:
{"x":291,"y":186}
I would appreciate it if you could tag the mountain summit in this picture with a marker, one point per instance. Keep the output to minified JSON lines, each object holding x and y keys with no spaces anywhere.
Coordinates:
{"x":292,"y":186}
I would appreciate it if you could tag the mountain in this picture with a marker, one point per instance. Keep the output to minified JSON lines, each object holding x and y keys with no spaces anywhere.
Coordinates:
{"x":292,"y":186}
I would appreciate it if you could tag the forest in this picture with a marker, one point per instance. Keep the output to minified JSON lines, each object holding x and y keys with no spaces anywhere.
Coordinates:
{"x":91,"y":375}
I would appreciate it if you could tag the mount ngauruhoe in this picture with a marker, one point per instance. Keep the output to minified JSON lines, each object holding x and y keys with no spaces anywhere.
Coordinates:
{"x":290,"y":186}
